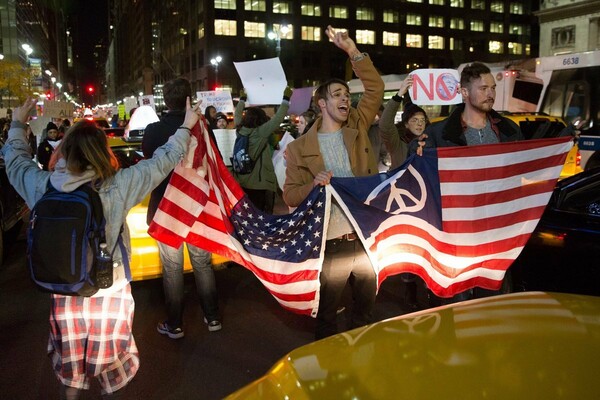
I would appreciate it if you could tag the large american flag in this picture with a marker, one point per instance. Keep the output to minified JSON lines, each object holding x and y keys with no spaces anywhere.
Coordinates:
{"x":457,"y":217}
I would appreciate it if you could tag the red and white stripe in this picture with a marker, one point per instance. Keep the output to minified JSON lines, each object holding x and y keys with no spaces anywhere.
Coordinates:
{"x":492,"y":199}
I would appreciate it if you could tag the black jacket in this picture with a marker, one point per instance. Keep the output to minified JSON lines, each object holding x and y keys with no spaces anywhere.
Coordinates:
{"x":155,"y":135}
{"x":450,"y":132}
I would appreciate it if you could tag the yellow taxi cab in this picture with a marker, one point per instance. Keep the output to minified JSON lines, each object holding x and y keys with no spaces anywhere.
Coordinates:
{"x":527,"y":345}
{"x":145,"y":261}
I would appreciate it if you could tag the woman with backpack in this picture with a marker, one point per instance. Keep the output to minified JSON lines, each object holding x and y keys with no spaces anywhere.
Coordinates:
{"x":255,"y":128}
{"x":92,"y":336}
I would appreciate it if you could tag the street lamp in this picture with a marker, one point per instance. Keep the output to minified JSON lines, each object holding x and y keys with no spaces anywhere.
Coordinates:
{"x":28,"y":50}
{"x":283,"y":30}
{"x":215,"y":62}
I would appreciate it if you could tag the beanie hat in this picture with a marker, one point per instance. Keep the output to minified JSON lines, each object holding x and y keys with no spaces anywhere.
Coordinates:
{"x":220,"y":115}
{"x":410,"y":110}
{"x":51,"y":125}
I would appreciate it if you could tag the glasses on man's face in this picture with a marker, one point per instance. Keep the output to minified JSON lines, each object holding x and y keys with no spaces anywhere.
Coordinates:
{"x":417,"y":120}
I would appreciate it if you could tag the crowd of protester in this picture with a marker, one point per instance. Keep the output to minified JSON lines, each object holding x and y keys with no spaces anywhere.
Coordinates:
{"x":329,"y":140}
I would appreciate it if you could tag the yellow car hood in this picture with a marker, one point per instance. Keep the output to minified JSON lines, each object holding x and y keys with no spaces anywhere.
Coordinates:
{"x":518,"y":346}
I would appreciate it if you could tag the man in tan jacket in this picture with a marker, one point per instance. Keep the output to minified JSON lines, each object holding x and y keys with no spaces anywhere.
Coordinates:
{"x":314,"y":158}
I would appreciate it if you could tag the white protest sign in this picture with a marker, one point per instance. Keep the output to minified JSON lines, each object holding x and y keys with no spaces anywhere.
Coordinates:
{"x":58,"y":109}
{"x":39,"y":124}
{"x":263,"y":80}
{"x":130,"y":103}
{"x":435,"y":87}
{"x":3,"y":112}
{"x":219,"y":99}
{"x":147,"y":100}
{"x":225,"y":140}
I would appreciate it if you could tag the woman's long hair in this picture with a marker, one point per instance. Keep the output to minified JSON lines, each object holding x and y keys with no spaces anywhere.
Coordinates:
{"x":85,"y":146}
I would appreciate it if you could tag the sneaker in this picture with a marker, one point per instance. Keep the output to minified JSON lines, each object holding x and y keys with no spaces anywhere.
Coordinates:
{"x":214,"y":325}
{"x":174,"y":333}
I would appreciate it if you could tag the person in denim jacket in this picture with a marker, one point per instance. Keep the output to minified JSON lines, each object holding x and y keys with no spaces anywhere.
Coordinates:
{"x":92,"y":336}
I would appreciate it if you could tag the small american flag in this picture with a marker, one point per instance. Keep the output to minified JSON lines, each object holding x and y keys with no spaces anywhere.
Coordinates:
{"x":457,"y":217}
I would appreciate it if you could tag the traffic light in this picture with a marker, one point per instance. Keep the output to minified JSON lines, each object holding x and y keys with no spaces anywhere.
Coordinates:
{"x":90,"y":89}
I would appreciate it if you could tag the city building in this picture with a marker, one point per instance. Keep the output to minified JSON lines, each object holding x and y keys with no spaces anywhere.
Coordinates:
{"x":155,"y":41}
{"x":569,"y":26}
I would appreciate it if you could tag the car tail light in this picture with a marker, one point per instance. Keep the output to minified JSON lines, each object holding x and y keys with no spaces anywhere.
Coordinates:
{"x":578,"y":159}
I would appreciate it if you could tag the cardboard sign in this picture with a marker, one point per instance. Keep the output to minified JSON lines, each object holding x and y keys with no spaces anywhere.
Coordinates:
{"x":435,"y":87}
{"x":219,"y":99}
{"x":58,"y":109}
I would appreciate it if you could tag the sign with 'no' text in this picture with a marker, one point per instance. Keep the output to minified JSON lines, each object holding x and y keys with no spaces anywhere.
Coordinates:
{"x":435,"y":87}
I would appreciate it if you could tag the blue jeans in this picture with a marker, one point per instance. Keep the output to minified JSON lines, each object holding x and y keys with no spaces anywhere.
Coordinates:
{"x":172,"y":264}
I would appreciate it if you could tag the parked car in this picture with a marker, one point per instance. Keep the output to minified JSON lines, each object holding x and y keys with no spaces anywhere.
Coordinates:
{"x":145,"y":261}
{"x":533,"y":345}
{"x":563,"y":253}
{"x":13,"y":211}
{"x":540,"y":126}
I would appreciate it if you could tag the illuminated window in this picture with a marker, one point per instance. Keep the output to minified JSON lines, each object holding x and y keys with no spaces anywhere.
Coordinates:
{"x":497,"y":6}
{"x":255,"y":5}
{"x":225,"y":27}
{"x":436,"y":42}
{"x":414,"y":1}
{"x":391,"y":39}
{"x":201,"y":31}
{"x":527,"y":49}
{"x":457,"y":23}
{"x":225,"y":4}
{"x":496,"y":27}
{"x":414,"y":41}
{"x":390,"y":16}
{"x":254,"y":29}
{"x":311,"y":33}
{"x":456,"y":44}
{"x":516,"y":8}
{"x":436,"y":21}
{"x":477,"y":26}
{"x":515,"y":48}
{"x":281,"y":7}
{"x":413,"y":19}
{"x":365,"y":37}
{"x":496,"y":47}
{"x":457,"y":3}
{"x":285,"y":33}
{"x":515,"y":29}
{"x":338,"y":12}
{"x":478,"y":4}
{"x":311,"y":9}
{"x":365,"y":14}
{"x":436,"y":2}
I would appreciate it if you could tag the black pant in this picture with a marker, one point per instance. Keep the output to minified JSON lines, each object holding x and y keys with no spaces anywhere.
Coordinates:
{"x":345,"y":261}
{"x":262,"y":199}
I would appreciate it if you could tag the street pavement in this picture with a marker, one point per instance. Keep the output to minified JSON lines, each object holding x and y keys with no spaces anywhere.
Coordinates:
{"x":203,"y":365}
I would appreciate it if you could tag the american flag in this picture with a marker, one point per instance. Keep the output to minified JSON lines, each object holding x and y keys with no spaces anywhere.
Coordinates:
{"x":205,"y":206}
{"x":457,"y":217}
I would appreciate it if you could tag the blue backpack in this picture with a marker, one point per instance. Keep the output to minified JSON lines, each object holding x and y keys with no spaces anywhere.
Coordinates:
{"x":63,"y":241}
{"x":241,"y":161}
